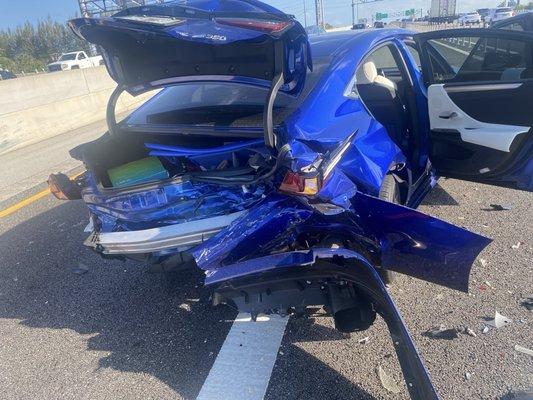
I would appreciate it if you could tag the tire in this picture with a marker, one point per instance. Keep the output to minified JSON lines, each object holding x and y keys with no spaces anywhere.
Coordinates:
{"x":389,"y":191}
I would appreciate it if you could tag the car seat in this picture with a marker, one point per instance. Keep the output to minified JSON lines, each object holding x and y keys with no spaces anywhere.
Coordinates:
{"x":380,"y":96}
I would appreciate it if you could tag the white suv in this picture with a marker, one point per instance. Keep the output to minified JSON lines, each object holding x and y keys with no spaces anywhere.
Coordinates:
{"x":470,"y":18}
{"x":500,"y":13}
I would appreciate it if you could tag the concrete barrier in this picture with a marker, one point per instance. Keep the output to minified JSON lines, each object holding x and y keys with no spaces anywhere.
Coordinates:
{"x":37,"y":107}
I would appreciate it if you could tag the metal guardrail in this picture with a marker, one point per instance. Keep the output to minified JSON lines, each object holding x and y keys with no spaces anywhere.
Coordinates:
{"x":428,"y":27}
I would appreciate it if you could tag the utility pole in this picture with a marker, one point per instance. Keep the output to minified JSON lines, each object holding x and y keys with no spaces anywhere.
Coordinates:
{"x":319,"y":9}
{"x":305,"y":14}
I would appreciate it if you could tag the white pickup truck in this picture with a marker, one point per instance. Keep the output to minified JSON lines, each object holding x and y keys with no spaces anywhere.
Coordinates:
{"x":74,"y":60}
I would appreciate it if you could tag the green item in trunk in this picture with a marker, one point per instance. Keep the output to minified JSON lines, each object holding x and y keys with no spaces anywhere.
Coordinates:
{"x":148,"y":169}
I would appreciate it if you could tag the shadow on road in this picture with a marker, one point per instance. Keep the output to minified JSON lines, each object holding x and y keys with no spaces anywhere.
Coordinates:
{"x":147,"y":325}
{"x":439,"y":197}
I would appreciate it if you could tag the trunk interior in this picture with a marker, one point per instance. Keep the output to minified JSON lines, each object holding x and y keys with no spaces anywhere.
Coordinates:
{"x":105,"y":154}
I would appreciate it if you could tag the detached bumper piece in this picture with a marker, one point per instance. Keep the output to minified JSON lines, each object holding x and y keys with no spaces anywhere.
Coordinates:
{"x":177,"y":237}
{"x":324,"y":283}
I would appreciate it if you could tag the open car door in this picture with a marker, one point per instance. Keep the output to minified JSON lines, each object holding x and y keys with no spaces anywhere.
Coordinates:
{"x":480,"y":103}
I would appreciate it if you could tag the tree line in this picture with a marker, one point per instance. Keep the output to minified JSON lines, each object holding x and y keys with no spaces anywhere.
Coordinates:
{"x":28,"y":48}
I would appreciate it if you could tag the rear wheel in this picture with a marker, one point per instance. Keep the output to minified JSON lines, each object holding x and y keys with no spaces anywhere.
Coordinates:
{"x":389,"y":191}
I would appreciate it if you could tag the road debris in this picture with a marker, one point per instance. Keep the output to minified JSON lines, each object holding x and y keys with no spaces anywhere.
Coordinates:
{"x":80,"y":269}
{"x":523,"y":350}
{"x":499,"y":321}
{"x":364,"y":340}
{"x":468,"y":376}
{"x":483,"y":262}
{"x":440,"y":332}
{"x":486,"y":329}
{"x":469,"y":332}
{"x":387,"y":381}
{"x":501,"y":207}
{"x":527,"y":303}
{"x":517,"y":245}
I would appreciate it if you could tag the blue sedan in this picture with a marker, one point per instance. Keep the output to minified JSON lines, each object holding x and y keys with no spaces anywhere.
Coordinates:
{"x":288,"y":167}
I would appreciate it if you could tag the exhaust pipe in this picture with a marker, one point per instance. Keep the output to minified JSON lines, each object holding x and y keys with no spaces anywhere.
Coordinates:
{"x":351,"y":311}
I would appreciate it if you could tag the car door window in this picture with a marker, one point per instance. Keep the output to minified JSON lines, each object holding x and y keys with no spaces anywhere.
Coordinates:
{"x":471,"y":59}
{"x":81,"y":56}
{"x":411,"y":46}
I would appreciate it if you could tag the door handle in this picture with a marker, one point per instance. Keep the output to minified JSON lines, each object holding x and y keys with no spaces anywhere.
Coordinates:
{"x":450,"y":115}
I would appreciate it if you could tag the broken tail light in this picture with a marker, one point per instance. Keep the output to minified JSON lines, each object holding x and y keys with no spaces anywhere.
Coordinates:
{"x":267,"y":26}
{"x":295,"y":183}
{"x":307,"y":183}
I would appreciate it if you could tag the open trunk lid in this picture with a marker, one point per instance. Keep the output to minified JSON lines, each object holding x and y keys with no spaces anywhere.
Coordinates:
{"x":240,"y":40}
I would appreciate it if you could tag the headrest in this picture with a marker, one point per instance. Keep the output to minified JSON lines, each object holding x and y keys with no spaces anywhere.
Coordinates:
{"x":370,"y":71}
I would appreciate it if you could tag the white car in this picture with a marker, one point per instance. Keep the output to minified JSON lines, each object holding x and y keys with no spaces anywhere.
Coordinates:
{"x":470,"y":18}
{"x":499,"y":14}
{"x":74,"y":60}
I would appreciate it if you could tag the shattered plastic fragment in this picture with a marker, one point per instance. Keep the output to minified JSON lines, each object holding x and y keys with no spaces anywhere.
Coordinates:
{"x":499,"y":321}
{"x":387,"y":381}
{"x":527,"y":303}
{"x":470,"y":332}
{"x":501,"y":207}
{"x":468,"y":376}
{"x":363,"y":340}
{"x":80,"y":269}
{"x":517,"y":245}
{"x":523,"y":350}
{"x":486,"y":329}
{"x":440,"y":332}
{"x":483,"y":262}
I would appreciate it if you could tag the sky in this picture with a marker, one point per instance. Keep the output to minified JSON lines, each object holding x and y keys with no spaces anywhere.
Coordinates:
{"x":337,"y":12}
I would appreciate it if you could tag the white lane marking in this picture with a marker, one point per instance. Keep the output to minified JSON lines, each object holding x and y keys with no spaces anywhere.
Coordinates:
{"x":244,"y":364}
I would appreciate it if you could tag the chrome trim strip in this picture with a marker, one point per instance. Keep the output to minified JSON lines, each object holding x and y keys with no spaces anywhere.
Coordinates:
{"x":183,"y":236}
{"x":482,"y":88}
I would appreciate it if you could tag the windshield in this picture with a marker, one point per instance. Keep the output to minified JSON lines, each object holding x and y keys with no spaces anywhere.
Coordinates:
{"x":220,"y":104}
{"x":503,"y":10}
{"x":67,"y":57}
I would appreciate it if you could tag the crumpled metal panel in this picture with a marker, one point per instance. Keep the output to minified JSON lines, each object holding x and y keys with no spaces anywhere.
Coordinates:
{"x":166,"y":204}
{"x":400,"y":238}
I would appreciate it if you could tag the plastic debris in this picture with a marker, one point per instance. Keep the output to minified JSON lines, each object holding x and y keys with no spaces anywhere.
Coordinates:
{"x":80,"y":269}
{"x":523,"y":350}
{"x":483,"y":262}
{"x":486,"y":329}
{"x":527,"y":303}
{"x":501,"y":207}
{"x":517,"y":245}
{"x":468,"y":376}
{"x":499,"y":321}
{"x":440,"y":332}
{"x":469,"y":332}
{"x":363,"y":340}
{"x":387,"y":381}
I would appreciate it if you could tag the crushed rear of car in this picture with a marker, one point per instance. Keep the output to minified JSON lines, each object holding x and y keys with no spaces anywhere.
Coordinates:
{"x":214,"y":172}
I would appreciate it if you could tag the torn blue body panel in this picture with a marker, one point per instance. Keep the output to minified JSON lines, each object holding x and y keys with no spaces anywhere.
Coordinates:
{"x":165,"y":204}
{"x":391,"y":236}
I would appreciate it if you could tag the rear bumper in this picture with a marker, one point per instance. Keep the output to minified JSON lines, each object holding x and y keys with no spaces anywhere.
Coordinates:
{"x":179,"y":237}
